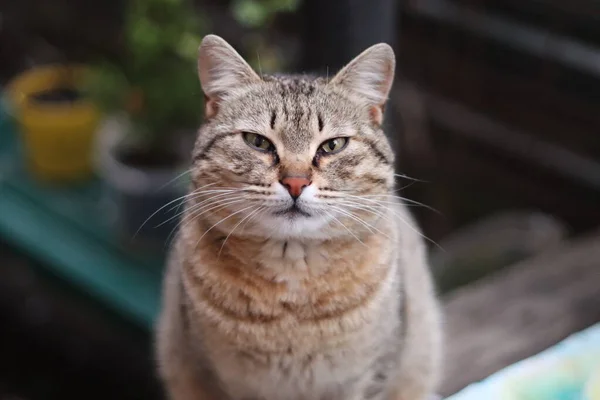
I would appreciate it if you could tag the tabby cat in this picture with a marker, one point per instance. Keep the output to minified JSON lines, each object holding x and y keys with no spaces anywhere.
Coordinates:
{"x":297,"y":273}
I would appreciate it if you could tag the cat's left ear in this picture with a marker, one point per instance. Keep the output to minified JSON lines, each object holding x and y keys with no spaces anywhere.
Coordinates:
{"x":222,"y":71}
{"x":370,"y":76}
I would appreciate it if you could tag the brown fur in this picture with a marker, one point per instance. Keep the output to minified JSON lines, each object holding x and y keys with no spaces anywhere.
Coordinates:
{"x":334,"y":302}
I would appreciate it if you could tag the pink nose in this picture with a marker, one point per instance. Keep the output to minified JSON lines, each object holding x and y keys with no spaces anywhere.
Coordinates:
{"x":295,"y":185}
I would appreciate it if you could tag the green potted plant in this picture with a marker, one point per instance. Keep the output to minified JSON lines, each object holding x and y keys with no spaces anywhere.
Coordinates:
{"x":153,"y":101}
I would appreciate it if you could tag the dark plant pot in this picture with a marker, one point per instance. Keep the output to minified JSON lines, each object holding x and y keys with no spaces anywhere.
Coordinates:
{"x":144,"y":196}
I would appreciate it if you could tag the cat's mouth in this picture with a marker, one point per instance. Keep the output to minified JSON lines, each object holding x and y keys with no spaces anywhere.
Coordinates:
{"x":293,"y":211}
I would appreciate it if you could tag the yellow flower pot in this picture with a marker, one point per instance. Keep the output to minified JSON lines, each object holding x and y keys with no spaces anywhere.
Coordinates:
{"x":58,"y":136}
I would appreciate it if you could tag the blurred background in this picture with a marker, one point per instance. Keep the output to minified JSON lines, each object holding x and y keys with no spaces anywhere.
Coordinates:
{"x":494,"y":115}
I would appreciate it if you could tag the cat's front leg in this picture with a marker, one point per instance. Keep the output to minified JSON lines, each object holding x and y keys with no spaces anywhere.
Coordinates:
{"x":413,"y":393}
{"x":185,"y":387}
{"x":181,"y":377}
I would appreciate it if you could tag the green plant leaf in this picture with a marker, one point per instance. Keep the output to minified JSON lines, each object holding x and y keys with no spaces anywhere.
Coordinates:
{"x":250,"y":13}
{"x":188,"y":45}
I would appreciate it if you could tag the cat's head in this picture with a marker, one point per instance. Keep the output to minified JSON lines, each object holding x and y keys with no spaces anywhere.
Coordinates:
{"x":292,"y":156}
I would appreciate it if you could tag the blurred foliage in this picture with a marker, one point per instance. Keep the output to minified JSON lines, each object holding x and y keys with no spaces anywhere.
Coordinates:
{"x":155,"y":82}
{"x":258,"y":16}
{"x":255,"y":13}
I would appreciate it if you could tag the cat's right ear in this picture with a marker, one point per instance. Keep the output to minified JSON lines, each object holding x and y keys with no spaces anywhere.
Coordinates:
{"x":370,"y":75}
{"x":221,"y":70}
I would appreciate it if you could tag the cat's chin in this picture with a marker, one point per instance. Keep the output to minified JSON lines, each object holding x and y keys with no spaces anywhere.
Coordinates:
{"x":294,"y":224}
{"x":293,"y":213}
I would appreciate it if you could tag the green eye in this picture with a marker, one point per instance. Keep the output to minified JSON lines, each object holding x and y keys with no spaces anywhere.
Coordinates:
{"x":334,"y":145}
{"x":258,"y":142}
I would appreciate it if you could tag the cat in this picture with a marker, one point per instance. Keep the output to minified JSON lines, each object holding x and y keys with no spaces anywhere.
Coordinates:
{"x":296,"y":273}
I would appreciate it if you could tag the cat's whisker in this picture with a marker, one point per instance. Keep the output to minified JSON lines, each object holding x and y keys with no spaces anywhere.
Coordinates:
{"x":411,"y":202}
{"x":345,"y":192}
{"x":263,"y":209}
{"x":369,"y":198}
{"x":200,"y":210}
{"x":198,"y":195}
{"x":195,"y":207}
{"x":221,"y":221}
{"x":353,"y":217}
{"x":174,"y":179}
{"x":193,"y":217}
{"x":403,"y":187}
{"x":259,"y":67}
{"x":370,"y":227}
{"x":215,"y":190}
{"x":376,"y":209}
{"x":417,"y":231}
{"x":410,"y":178}
{"x":166,"y":205}
{"x":196,"y":211}
{"x":405,"y":222}
{"x":368,"y":203}
{"x":186,"y":220}
{"x":180,"y":223}
{"x":365,"y":207}
{"x":345,"y":227}
{"x":235,"y":227}
{"x":214,"y":193}
{"x":200,"y":192}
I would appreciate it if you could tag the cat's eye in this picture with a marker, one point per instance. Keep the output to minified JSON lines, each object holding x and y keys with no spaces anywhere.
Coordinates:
{"x":334,"y":145}
{"x":257,"y":141}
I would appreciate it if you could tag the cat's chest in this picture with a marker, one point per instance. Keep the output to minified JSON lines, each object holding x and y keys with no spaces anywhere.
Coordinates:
{"x":294,"y":328}
{"x":329,"y":359}
{"x":335,"y":373}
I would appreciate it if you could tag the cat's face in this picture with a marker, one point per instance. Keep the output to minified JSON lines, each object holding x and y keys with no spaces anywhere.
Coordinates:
{"x":292,"y":156}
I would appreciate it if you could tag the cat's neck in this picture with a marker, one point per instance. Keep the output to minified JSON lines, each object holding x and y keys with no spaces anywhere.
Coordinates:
{"x":271,"y":278}
{"x":285,"y":260}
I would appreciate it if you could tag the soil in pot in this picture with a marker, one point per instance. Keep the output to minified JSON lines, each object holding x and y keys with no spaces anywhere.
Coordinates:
{"x":60,"y":95}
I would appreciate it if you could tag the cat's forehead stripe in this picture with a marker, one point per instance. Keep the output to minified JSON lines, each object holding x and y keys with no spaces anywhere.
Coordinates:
{"x":296,"y":132}
{"x":297,"y":111}
{"x":305,"y":84}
